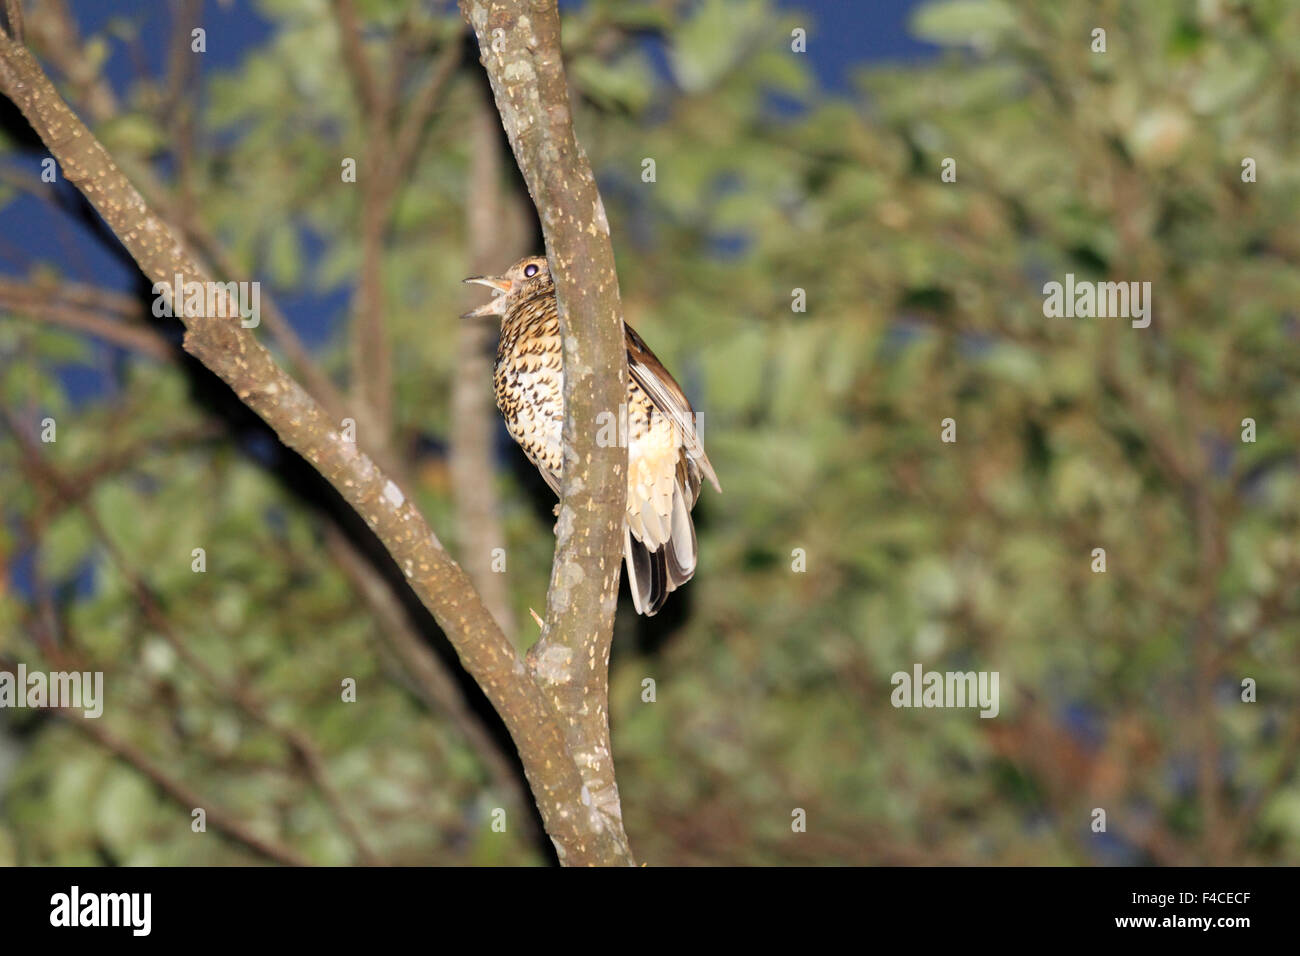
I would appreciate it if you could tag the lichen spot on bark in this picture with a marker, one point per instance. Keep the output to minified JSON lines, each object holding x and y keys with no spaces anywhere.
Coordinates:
{"x":569,"y":575}
{"x":564,"y":525}
{"x":519,"y":71}
{"x":555,"y":664}
{"x":393,"y":495}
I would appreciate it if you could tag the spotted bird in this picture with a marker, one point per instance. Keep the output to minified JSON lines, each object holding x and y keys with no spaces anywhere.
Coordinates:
{"x":666,"y":460}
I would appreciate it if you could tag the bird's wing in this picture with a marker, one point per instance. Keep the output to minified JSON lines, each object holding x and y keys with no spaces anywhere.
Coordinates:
{"x":669,"y":399}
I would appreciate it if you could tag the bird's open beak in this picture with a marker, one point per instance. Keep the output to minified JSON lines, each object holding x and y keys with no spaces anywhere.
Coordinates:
{"x":499,"y":287}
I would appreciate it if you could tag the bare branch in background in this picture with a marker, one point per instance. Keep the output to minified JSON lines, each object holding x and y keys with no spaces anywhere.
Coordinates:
{"x":14,"y":14}
{"x":52,"y":30}
{"x":372,"y":362}
{"x":428,"y":677}
{"x":220,"y":819}
{"x":44,"y":475}
{"x":432,"y":682}
{"x":59,"y":41}
{"x":492,"y":243}
{"x":177,"y":107}
{"x":362,"y":76}
{"x":107,"y":318}
{"x":411,"y":129}
{"x":67,"y":304}
{"x":391,"y":147}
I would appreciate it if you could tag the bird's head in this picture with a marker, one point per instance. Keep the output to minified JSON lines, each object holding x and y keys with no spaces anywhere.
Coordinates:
{"x":523,"y":280}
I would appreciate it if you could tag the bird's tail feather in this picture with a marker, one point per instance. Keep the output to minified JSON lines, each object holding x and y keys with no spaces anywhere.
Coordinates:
{"x":653,"y":574}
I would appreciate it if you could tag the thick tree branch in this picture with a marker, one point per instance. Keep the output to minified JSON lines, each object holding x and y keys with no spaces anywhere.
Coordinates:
{"x":428,"y":676}
{"x":52,"y":30}
{"x":235,"y":355}
{"x":58,"y":40}
{"x":519,"y":44}
{"x":67,"y":305}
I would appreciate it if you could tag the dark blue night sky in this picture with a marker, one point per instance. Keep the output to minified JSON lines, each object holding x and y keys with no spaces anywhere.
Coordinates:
{"x":842,"y":35}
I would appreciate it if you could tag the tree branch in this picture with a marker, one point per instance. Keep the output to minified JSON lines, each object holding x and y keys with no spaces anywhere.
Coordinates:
{"x":52,"y":306}
{"x":407,"y":144}
{"x":519,"y":46}
{"x":58,"y":40}
{"x":221,"y":820}
{"x":432,"y":681}
{"x":425,"y":671}
{"x":187,"y":799}
{"x":354,"y":58}
{"x":52,"y":30}
{"x":372,"y":364}
{"x":473,"y":419}
{"x":235,"y":355}
{"x":389,"y":155}
{"x":14,"y":14}
{"x":66,"y":304}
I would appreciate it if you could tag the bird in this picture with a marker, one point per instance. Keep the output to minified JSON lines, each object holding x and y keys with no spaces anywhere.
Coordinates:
{"x":666,"y":459}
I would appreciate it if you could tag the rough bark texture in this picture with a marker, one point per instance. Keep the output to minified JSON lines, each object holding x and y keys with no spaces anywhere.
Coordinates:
{"x":234,"y":354}
{"x":519,"y":44}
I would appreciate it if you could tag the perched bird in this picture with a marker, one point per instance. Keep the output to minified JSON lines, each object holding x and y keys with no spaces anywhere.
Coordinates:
{"x":666,"y":461}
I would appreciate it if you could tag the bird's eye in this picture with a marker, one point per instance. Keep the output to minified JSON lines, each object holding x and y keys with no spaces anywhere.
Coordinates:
{"x":530,"y":271}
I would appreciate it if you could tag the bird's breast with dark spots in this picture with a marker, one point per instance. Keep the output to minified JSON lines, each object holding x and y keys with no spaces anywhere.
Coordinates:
{"x":529,"y":385}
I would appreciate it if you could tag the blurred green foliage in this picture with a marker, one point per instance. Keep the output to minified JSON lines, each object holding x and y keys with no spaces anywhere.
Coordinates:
{"x":924,"y":302}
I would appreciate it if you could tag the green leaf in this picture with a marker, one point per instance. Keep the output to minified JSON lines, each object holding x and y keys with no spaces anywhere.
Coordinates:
{"x":979,"y":23}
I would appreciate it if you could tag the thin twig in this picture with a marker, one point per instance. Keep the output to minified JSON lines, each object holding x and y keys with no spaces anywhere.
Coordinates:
{"x":354,"y":58}
{"x":137,"y":339}
{"x":188,"y":799}
{"x":435,"y":686}
{"x":407,"y":144}
{"x":14,"y":13}
{"x":495,"y":238}
{"x":303,"y":747}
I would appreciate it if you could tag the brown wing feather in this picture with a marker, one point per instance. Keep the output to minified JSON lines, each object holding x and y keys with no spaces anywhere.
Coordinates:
{"x":668,"y":398}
